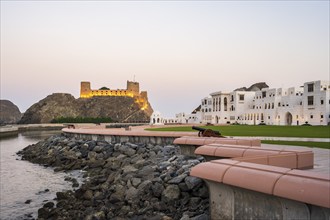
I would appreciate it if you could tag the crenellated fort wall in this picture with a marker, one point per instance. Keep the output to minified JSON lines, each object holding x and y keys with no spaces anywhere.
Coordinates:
{"x":132,"y":90}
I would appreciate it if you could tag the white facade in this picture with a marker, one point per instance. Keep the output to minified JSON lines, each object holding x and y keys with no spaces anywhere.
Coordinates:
{"x":294,"y":106}
{"x":180,"y":118}
{"x":156,"y":118}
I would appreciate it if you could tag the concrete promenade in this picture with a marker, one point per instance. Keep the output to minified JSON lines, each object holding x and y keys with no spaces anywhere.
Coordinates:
{"x":321,"y":156}
{"x":291,"y":139}
{"x":291,"y":193}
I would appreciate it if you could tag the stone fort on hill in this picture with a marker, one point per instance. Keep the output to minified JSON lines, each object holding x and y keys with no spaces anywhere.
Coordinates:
{"x":126,"y":105}
{"x":132,"y":90}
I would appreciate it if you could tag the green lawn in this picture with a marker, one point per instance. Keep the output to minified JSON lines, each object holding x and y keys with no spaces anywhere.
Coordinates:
{"x":262,"y":130}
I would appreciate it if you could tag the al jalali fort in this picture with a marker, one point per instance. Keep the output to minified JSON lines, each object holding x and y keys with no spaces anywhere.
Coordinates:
{"x":132,"y":90}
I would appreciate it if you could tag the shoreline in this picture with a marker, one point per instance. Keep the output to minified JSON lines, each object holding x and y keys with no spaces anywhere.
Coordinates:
{"x":15,"y":129}
{"x":122,"y":180}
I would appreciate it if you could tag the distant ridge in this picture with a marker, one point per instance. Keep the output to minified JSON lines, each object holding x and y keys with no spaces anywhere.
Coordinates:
{"x":9,"y":112}
{"x":255,"y":87}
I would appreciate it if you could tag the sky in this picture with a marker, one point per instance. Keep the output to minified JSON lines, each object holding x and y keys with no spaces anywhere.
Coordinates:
{"x":179,"y":51}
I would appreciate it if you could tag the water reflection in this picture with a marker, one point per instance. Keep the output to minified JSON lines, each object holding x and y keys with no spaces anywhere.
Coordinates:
{"x":22,"y":181}
{"x":38,"y":135}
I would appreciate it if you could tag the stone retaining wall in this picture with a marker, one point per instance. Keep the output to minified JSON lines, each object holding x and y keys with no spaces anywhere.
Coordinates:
{"x":230,"y":202}
{"x":126,"y":138}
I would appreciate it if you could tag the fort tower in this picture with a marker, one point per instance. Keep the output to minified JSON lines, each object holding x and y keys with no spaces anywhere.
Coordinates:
{"x":85,"y":90}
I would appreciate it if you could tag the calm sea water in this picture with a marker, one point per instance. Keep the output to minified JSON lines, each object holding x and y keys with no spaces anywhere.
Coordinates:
{"x":21,"y":181}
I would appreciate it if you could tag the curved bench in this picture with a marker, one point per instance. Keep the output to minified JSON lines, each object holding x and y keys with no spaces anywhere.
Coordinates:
{"x":303,"y":186}
{"x":199,"y":141}
{"x":188,"y":144}
{"x":293,"y":159}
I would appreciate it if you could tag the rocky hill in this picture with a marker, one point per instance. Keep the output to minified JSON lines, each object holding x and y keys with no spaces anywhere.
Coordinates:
{"x":9,"y":112}
{"x":254,"y":87}
{"x":119,"y":109}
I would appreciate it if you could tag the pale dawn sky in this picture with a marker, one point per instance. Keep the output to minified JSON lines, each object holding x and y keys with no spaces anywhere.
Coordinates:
{"x":179,"y":51}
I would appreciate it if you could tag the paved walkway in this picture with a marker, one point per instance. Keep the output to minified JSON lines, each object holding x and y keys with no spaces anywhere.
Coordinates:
{"x":321,"y":156}
{"x":290,"y":139}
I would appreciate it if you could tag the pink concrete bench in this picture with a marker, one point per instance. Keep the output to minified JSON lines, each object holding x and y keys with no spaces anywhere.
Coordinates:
{"x":302,"y":186}
{"x":282,"y":158}
{"x":188,"y":144}
{"x":199,"y":141}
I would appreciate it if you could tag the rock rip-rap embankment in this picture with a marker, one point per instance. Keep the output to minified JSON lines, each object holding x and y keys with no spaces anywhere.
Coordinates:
{"x":122,"y":180}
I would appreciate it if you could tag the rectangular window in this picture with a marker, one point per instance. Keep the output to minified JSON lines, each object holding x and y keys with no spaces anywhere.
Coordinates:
{"x":321,"y":116}
{"x":241,"y":97}
{"x":263,"y":94}
{"x":311,"y":116}
{"x":310,"y":87}
{"x":310,"y":100}
{"x":322,"y":102}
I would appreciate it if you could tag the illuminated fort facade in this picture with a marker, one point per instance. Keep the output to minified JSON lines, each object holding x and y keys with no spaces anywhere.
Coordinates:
{"x":132,"y":90}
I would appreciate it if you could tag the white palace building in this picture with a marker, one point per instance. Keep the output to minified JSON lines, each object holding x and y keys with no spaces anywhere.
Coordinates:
{"x":308,"y":104}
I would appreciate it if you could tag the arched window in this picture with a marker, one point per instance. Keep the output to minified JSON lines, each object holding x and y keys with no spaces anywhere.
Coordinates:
{"x":219,"y":104}
{"x":225,"y":103}
{"x":154,"y":120}
{"x":157,"y":120}
{"x":214,"y":104}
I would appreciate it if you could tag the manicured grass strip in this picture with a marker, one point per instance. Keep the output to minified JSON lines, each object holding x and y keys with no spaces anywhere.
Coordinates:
{"x":325,"y":145}
{"x":261,"y":130}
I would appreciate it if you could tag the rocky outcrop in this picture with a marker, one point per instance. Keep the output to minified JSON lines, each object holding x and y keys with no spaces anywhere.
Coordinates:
{"x":122,"y":180}
{"x":9,"y":112}
{"x":255,"y":87}
{"x":119,"y":109}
